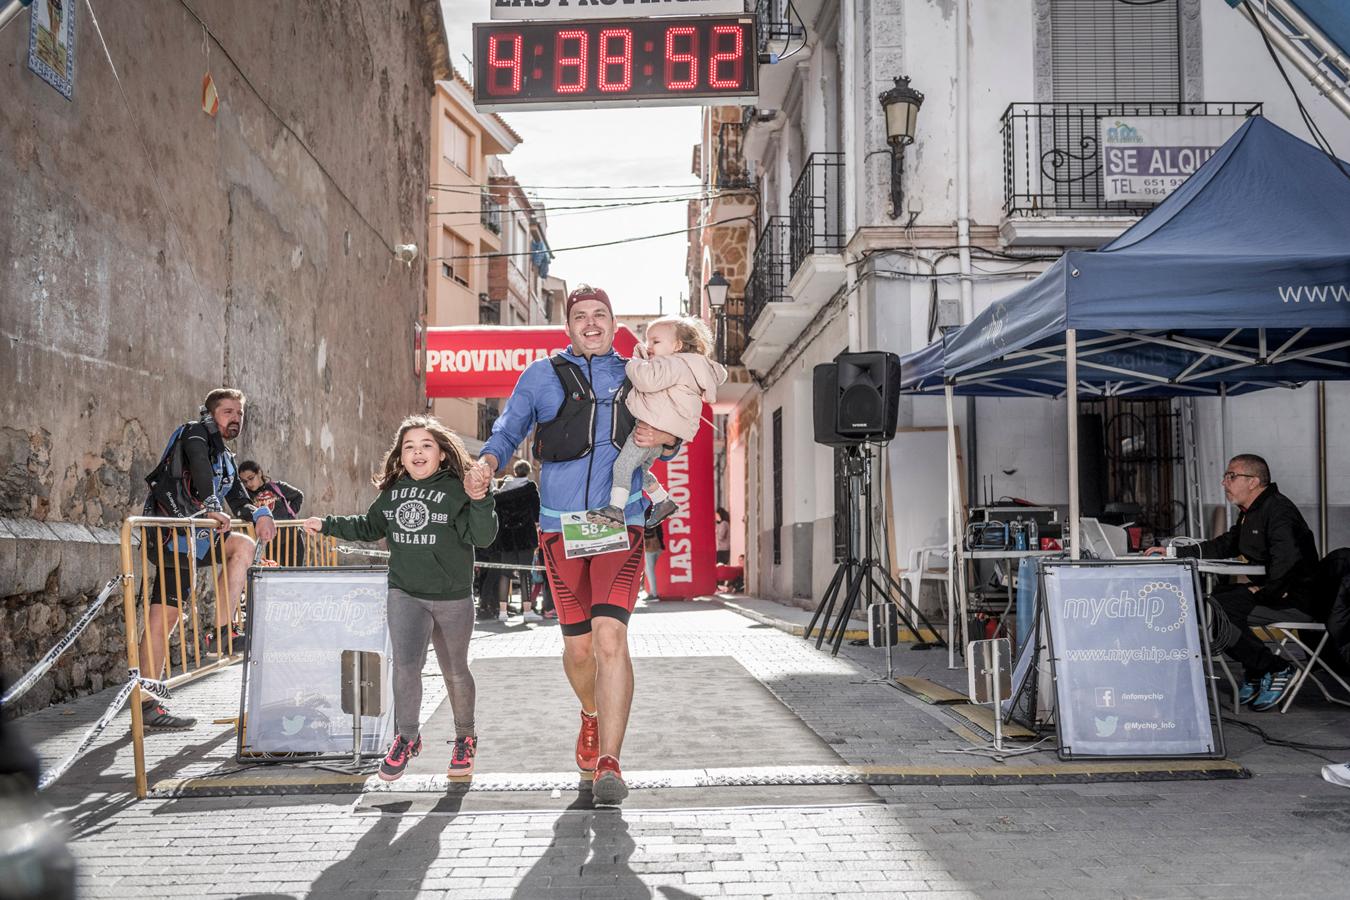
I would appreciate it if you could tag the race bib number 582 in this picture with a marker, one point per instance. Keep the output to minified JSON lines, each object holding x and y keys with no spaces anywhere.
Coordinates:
{"x":582,"y":538}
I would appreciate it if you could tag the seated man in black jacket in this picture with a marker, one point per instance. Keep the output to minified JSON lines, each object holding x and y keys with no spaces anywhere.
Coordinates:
{"x":1269,"y":531}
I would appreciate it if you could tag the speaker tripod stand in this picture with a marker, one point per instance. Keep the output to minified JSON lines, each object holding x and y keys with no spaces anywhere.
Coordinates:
{"x":861,"y":574}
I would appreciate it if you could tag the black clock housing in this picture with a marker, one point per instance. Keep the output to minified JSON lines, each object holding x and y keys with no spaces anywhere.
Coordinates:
{"x":614,"y":62}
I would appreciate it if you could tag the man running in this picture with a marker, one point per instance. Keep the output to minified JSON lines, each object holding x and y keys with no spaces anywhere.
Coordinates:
{"x":576,"y":399}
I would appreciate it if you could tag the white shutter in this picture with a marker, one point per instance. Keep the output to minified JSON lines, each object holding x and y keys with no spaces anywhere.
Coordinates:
{"x":1115,"y":50}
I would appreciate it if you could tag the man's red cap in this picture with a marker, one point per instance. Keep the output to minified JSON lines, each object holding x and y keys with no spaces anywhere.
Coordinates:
{"x":586,"y":292}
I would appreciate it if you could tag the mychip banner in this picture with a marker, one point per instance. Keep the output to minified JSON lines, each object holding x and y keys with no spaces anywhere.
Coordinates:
{"x":300,"y":621}
{"x":1129,"y":659}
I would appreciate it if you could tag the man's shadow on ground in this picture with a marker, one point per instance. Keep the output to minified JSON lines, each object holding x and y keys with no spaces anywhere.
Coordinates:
{"x":382,"y":862}
{"x":591,"y":848}
{"x":91,"y":815}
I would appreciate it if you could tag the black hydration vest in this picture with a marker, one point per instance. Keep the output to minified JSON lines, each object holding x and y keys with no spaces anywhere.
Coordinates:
{"x":170,"y":482}
{"x":567,"y":435}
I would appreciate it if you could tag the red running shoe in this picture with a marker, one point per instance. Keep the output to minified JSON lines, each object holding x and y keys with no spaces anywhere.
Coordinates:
{"x":461,"y":758}
{"x":608,"y":787}
{"x":399,"y":754}
{"x":588,"y":743}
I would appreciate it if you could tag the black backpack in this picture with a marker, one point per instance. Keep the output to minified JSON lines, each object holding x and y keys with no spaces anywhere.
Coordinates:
{"x":170,"y":482}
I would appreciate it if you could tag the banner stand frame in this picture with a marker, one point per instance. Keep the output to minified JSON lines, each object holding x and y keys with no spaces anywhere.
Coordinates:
{"x":1220,"y":750}
{"x":354,"y":762}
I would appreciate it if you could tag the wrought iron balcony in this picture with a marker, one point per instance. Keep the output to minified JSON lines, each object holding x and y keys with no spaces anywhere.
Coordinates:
{"x":731,"y":332}
{"x":778,"y":26}
{"x":732,"y":170}
{"x":816,"y":208}
{"x":489,"y":310}
{"x":491,"y":214}
{"x":769,"y":276}
{"x":1052,"y":159}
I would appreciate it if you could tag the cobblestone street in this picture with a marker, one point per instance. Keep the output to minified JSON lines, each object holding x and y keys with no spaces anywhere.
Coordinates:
{"x":1282,"y":829}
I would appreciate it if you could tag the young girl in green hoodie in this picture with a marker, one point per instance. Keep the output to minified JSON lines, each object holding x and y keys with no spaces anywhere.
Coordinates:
{"x":431,"y":522}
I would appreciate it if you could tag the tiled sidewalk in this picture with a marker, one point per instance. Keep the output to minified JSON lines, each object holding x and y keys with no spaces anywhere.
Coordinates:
{"x":1186,"y":839}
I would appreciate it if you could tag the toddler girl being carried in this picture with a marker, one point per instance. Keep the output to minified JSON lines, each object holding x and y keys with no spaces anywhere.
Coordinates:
{"x":672,"y":378}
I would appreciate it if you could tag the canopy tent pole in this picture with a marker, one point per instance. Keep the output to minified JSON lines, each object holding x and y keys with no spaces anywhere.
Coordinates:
{"x":1071,"y":394}
{"x":953,"y":540}
{"x":1227,"y":425}
{"x":1322,"y":467}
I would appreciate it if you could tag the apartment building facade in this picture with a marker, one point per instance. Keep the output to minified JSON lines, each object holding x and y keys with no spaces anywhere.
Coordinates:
{"x":849,"y":245}
{"x":466,"y":221}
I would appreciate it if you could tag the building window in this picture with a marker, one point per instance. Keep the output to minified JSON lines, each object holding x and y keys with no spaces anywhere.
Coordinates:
{"x":1122,"y":52}
{"x":455,"y":145}
{"x":776,"y":449}
{"x":488,"y":411}
{"x":454,"y":257}
{"x":520,"y":244}
{"x":489,"y":310}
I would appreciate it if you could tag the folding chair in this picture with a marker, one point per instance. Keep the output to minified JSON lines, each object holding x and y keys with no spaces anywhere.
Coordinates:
{"x":1312,"y":659}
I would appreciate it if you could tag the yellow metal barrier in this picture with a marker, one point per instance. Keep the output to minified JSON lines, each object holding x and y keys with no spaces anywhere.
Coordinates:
{"x":164,"y":614}
{"x":292,"y":547}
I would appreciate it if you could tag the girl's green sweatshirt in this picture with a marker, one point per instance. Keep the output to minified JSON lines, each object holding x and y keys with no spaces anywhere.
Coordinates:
{"x":432,"y":527}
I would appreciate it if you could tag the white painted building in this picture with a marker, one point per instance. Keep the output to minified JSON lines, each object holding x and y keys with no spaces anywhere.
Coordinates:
{"x":998,"y":181}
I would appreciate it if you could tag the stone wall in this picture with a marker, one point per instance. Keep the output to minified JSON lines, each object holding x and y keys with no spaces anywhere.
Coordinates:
{"x":154,"y":252}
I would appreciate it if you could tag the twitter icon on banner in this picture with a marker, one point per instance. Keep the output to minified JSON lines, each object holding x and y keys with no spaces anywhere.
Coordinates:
{"x":1106,"y":726}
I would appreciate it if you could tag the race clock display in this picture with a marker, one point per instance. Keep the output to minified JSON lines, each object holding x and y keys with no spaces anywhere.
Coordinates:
{"x":619,"y":62}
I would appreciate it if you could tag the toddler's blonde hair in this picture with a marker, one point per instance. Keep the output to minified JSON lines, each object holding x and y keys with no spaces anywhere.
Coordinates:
{"x":692,"y":332}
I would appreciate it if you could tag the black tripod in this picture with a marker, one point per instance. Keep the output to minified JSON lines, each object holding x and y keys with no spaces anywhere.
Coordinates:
{"x":854,"y":575}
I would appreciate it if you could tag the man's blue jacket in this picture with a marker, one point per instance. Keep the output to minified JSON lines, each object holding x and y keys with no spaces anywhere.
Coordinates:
{"x":579,"y":484}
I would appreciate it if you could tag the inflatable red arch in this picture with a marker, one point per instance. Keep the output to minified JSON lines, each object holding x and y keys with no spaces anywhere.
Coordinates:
{"x":484,"y":361}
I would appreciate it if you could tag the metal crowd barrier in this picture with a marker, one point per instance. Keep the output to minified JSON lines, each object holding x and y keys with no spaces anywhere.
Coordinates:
{"x":292,"y":547}
{"x":159,"y":572}
{"x":197,"y":643}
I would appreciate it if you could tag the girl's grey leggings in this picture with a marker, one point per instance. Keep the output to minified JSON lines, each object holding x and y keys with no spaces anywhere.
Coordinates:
{"x":448,"y":625}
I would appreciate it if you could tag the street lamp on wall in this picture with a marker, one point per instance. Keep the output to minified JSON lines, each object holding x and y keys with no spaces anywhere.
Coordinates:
{"x":901,"y":106}
{"x":716,"y":292}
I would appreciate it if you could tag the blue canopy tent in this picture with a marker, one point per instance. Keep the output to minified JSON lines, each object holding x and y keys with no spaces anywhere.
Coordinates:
{"x":1240,"y":280}
{"x":1242,"y":274}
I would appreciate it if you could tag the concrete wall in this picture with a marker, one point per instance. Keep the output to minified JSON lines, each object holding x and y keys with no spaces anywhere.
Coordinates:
{"x":153,"y":253}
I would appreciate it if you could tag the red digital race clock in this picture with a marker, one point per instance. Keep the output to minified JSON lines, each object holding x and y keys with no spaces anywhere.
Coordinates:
{"x":617,"y":62}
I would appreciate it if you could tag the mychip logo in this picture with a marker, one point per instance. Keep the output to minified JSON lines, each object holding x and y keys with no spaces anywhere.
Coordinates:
{"x":1160,"y":604}
{"x":353,"y":612}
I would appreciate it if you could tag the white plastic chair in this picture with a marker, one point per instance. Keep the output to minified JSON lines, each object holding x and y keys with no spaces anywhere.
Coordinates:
{"x":925,"y":564}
